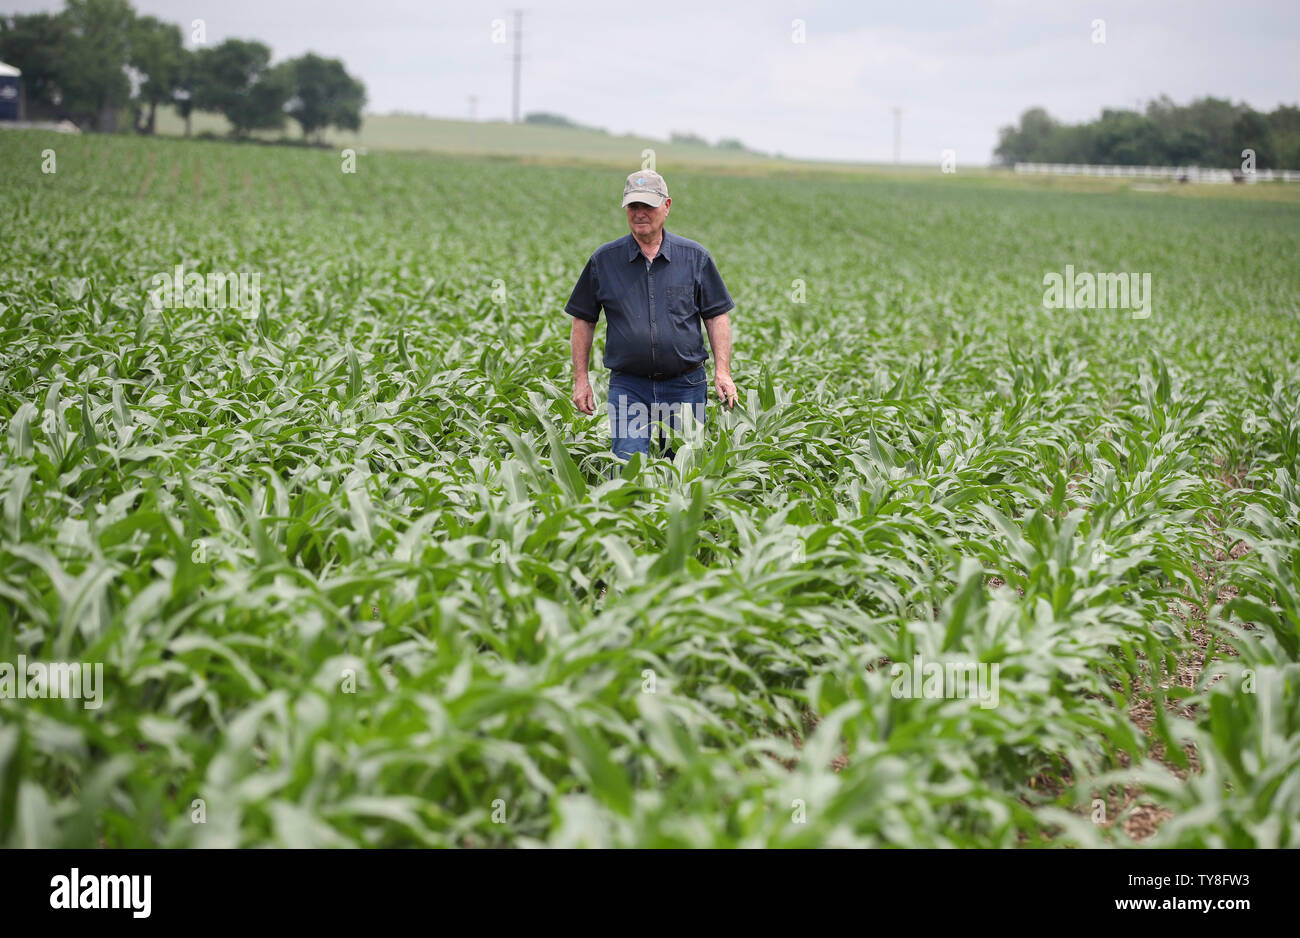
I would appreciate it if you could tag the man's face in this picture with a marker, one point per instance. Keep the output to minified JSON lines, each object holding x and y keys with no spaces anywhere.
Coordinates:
{"x":645,"y":220}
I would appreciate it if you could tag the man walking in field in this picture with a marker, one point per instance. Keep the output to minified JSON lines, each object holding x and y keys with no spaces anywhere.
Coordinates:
{"x":655,"y":288}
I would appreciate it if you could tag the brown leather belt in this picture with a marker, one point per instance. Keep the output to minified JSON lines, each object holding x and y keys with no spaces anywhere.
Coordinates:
{"x":660,"y":376}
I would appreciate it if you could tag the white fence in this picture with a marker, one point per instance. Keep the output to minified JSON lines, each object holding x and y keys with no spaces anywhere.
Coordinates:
{"x":1190,"y":173}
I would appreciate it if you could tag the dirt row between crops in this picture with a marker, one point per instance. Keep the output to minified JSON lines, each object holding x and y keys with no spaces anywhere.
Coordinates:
{"x":1141,"y":816}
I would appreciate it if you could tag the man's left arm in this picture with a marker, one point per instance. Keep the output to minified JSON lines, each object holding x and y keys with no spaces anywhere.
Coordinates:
{"x":715,"y":303}
{"x":719,"y":329}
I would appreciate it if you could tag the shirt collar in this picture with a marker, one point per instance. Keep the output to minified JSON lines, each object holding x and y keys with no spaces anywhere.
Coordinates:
{"x":634,"y":247}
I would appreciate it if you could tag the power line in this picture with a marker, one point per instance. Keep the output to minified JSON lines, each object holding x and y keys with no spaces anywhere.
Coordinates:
{"x":518,"y":58}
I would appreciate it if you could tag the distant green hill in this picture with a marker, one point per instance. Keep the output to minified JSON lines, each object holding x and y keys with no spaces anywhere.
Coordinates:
{"x":527,"y":142}
{"x":575,"y":146}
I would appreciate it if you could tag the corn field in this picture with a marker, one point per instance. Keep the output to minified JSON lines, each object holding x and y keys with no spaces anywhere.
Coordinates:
{"x":358,"y":573}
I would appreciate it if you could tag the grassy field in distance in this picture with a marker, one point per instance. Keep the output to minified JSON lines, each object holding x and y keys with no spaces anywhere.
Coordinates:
{"x":573,"y":147}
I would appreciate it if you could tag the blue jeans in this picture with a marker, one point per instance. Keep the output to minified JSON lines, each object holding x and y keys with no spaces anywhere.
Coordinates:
{"x":637,"y":405}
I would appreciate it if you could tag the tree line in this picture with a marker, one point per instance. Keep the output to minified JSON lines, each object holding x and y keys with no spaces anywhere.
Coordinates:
{"x":95,"y":58}
{"x":1209,"y":132}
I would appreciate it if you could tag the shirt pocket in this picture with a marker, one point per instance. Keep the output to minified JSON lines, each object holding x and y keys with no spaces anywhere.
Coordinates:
{"x":681,"y":302}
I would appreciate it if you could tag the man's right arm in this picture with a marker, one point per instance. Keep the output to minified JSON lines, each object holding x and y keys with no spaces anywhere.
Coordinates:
{"x":584,"y":307}
{"x":580,"y":340}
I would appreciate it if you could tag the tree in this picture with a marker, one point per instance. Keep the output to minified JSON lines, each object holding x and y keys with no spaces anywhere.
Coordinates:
{"x":1251,"y":131}
{"x":1029,"y":140}
{"x":687,"y":138}
{"x":235,"y":79}
{"x":323,"y":94}
{"x":548,"y":119}
{"x":1213,"y":120}
{"x":37,"y":44}
{"x":1176,"y":140}
{"x":1284,"y":131}
{"x":1207,"y":132}
{"x":264,"y":109}
{"x":94,"y":81}
{"x":157,"y":55}
{"x":1123,"y":138}
{"x":187,"y":77}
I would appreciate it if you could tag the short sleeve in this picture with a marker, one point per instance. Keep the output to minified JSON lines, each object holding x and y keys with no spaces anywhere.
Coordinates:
{"x":582,"y":301}
{"x":714,"y":300}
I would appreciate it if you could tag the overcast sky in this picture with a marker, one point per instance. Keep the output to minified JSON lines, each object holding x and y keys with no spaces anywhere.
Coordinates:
{"x":959,"y":70}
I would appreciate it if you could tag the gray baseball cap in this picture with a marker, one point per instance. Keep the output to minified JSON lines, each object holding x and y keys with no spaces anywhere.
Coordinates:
{"x":645,"y":186}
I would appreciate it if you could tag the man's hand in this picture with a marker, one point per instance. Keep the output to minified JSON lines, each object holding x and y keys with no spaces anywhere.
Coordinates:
{"x":582,"y":395}
{"x":580,"y":340}
{"x":726,"y":388}
{"x":719,"y":329}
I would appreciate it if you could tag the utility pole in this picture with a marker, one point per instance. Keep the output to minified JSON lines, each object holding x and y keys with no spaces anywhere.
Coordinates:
{"x":519,"y":44}
{"x":473,"y":107}
{"x":898,"y":134}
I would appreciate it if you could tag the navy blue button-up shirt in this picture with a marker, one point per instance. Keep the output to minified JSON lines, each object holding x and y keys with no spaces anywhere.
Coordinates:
{"x":653,"y":311}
